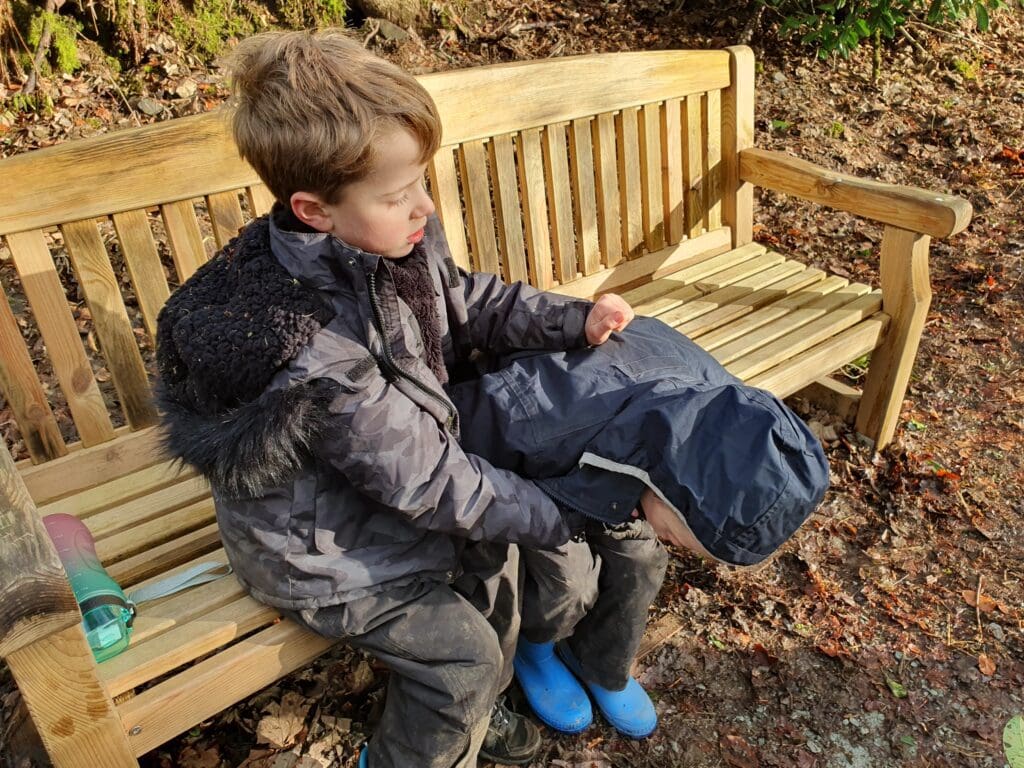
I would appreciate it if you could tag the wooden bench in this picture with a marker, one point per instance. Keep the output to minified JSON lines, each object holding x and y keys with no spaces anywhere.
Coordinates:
{"x":631,"y":172}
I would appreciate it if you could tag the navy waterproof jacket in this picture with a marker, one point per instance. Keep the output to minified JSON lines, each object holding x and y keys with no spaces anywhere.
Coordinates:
{"x":649,"y":408}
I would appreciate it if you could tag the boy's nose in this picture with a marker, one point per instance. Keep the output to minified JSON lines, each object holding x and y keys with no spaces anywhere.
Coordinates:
{"x":424,"y":206}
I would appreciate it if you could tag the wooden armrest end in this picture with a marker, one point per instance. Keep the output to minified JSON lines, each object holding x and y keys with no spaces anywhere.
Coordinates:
{"x":910,"y":208}
{"x":35,"y":597}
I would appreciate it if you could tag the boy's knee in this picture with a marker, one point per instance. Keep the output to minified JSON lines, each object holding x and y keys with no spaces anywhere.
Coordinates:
{"x":477,"y":672}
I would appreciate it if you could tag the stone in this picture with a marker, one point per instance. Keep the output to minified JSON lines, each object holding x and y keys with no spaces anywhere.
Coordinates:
{"x":187,"y":89}
{"x":391,"y":31}
{"x":149,"y":106}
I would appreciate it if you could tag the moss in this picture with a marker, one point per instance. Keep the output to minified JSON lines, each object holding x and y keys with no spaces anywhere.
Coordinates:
{"x":968,"y":69}
{"x":212,"y":23}
{"x":63,"y":53}
{"x":300,"y":14}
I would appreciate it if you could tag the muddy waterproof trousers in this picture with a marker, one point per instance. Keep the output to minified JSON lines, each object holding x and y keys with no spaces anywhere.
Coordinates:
{"x":449,"y":649}
{"x":595,"y":595}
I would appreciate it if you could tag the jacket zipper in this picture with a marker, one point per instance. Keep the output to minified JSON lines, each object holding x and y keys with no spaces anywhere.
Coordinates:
{"x":391,"y":367}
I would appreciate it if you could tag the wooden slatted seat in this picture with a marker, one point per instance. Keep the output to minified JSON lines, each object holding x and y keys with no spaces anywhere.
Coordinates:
{"x":630,"y":172}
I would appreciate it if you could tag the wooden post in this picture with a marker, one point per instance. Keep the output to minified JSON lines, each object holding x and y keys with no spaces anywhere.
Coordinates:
{"x":737,"y":135}
{"x":42,"y":640}
{"x":906,"y":296}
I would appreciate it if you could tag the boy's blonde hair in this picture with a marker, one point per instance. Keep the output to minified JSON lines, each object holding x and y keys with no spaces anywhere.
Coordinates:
{"x":309,"y":106}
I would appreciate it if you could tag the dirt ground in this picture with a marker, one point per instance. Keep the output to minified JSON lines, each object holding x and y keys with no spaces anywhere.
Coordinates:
{"x":889,"y":631}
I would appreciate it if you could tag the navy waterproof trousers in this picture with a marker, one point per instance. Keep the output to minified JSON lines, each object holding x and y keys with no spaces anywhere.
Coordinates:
{"x":649,"y":408}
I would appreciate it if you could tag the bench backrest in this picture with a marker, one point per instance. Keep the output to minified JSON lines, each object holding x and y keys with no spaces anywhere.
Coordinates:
{"x":554,"y":172}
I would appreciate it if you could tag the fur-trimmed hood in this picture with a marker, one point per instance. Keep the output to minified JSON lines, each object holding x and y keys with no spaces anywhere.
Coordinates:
{"x":221,"y":338}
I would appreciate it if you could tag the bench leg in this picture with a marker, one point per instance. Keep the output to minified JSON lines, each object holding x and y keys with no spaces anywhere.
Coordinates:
{"x":906,"y":296}
{"x":70,"y":707}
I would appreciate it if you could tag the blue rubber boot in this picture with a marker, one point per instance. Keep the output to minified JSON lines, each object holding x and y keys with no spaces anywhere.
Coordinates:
{"x":630,"y":711}
{"x":557,"y":698}
{"x":364,"y":761}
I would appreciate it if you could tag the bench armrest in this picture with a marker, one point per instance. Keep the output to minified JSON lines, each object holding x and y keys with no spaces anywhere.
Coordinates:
{"x":909,"y":208}
{"x":35,"y":597}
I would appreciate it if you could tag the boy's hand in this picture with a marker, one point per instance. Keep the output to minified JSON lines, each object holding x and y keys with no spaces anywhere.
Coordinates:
{"x":610,"y":313}
{"x":667,"y":525}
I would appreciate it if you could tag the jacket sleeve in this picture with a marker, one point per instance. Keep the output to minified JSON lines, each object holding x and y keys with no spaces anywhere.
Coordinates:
{"x":506,"y":318}
{"x":395,"y":453}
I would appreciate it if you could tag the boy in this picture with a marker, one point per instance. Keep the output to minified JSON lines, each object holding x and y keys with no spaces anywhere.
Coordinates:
{"x":302,"y":371}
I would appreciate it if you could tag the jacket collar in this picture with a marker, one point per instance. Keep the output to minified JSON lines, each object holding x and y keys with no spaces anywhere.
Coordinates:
{"x":315,"y":259}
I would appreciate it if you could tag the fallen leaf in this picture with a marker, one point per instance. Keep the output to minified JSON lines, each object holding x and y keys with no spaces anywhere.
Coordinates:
{"x":737,"y":752}
{"x":986,"y":604}
{"x":986,"y":665}
{"x":284,"y":721}
{"x":191,"y":757}
{"x":897,"y":690}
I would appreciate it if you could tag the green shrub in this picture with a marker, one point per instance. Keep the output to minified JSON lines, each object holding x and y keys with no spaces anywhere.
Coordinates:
{"x":840,"y":26}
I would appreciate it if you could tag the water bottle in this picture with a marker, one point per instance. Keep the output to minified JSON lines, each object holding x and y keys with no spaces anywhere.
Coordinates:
{"x":106,"y":613}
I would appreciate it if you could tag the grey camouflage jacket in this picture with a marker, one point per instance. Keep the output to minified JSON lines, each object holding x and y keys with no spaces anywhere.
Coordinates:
{"x":344,"y":475}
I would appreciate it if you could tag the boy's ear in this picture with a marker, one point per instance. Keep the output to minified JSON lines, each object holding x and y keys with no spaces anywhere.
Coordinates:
{"x":310,"y":210}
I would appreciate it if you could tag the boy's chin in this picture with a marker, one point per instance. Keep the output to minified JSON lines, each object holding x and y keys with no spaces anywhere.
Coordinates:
{"x":400,"y":252}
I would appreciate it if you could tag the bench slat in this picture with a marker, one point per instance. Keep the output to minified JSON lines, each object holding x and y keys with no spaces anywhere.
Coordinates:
{"x":45,"y":293}
{"x":679,"y":305}
{"x":711,"y":121}
{"x":188,"y":698}
{"x":695,"y":133}
{"x":673,"y":170}
{"x":157,"y":617}
{"x":110,"y":320}
{"x":215,"y":628}
{"x":556,"y":179}
{"x":766,"y":333}
{"x":584,"y":207}
{"x":24,"y":393}
{"x":160,"y":530}
{"x":629,"y":275}
{"x":144,"y":267}
{"x":479,"y":216}
{"x":118,"y":491}
{"x":607,"y":188}
{"x":530,"y":161}
{"x":225,"y":216}
{"x":671,"y":291}
{"x":737,"y":328}
{"x":805,"y":336}
{"x":696,"y":328}
{"x":118,"y":518}
{"x":444,"y":186}
{"x":627,"y":129}
{"x":711,"y":307}
{"x":84,"y":468}
{"x":261,"y":199}
{"x":797,"y":372}
{"x":160,"y":557}
{"x":652,"y":212}
{"x":184,"y":237}
{"x":506,"y":205}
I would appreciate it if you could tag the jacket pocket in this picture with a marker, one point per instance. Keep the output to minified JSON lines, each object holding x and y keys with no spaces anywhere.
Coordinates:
{"x":656,"y":367}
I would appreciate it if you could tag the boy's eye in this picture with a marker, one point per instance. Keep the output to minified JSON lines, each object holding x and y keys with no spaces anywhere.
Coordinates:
{"x":399,"y":200}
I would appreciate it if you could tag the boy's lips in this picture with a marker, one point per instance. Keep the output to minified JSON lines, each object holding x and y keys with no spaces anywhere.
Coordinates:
{"x":416,"y":236}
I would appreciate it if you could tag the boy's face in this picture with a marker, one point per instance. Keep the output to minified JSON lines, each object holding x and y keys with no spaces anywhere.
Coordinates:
{"x":383,"y":213}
